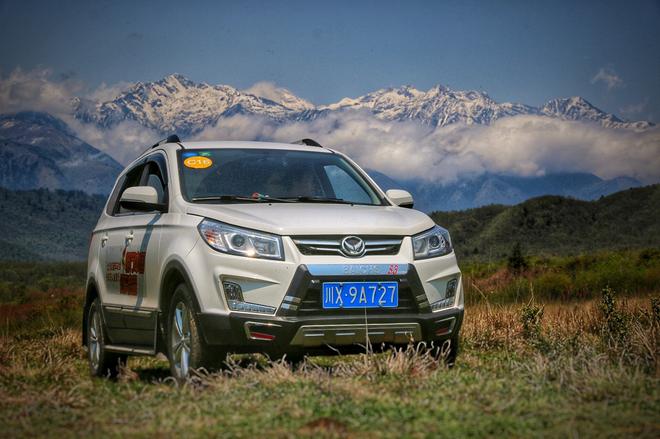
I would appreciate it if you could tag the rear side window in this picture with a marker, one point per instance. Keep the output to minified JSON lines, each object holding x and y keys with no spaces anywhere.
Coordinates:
{"x":153,"y":176}
{"x":114,"y":197}
{"x":150,"y":172}
{"x":132,"y":178}
{"x":155,"y":182}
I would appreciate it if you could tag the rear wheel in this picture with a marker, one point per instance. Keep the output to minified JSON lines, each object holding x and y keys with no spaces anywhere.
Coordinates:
{"x":101,"y":362}
{"x":186,"y":348}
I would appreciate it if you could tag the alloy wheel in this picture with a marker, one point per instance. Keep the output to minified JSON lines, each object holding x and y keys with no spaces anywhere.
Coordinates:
{"x":180,"y":339}
{"x":94,"y":339}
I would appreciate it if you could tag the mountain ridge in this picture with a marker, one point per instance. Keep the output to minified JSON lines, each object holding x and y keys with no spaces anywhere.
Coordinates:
{"x":555,"y":225}
{"x":178,"y":104}
{"x":58,"y":224}
{"x":490,"y":189}
{"x":39,"y":150}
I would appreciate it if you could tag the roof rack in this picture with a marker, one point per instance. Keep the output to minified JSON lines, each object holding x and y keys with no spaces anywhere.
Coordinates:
{"x":308,"y":142}
{"x":172,"y":138}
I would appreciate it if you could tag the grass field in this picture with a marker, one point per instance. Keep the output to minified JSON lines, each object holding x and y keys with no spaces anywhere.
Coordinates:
{"x":548,"y":350}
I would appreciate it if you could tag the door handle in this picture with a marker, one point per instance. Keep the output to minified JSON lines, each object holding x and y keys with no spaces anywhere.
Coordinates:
{"x":129,"y":237}
{"x":104,"y":240}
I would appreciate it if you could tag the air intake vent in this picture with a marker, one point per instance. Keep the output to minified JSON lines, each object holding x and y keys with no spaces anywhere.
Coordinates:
{"x":332,"y":245}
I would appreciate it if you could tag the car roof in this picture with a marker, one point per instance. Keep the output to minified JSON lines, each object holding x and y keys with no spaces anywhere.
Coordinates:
{"x":252,"y":145}
{"x":238,"y":144}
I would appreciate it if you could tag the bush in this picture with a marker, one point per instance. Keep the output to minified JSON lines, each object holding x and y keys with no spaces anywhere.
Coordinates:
{"x":655,"y":309}
{"x":615,"y":324}
{"x":563,"y":278}
{"x":517,"y":262}
{"x":530,"y":317}
{"x":554,"y":286}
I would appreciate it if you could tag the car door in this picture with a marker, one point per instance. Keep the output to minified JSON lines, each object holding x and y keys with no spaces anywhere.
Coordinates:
{"x":131,"y":255}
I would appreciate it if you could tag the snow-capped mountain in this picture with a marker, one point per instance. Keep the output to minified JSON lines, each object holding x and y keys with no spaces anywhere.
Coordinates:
{"x":439,"y":106}
{"x":177,"y":104}
{"x":579,"y":109}
{"x":38,"y":150}
{"x":280,"y":95}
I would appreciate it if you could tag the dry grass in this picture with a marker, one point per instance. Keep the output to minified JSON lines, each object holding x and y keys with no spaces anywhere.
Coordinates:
{"x":533,"y":369}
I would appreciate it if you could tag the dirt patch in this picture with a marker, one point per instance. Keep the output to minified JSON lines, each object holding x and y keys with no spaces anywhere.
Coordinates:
{"x":326,"y":426}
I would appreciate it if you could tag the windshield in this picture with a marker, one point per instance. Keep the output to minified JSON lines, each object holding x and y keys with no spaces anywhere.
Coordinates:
{"x":252,"y":175}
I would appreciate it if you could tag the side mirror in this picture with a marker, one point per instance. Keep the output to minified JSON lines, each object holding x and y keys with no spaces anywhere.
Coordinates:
{"x":141,"y":199}
{"x":400,"y":198}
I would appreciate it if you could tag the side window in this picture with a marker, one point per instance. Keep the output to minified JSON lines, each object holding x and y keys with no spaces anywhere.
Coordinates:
{"x":114,"y":197}
{"x":132,"y":178}
{"x":345,"y":186}
{"x":152,"y":173}
{"x":155,"y":179}
{"x":155,"y":182}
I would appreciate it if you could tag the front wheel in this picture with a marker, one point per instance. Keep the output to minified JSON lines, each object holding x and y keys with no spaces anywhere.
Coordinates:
{"x":186,"y":348}
{"x":101,"y":362}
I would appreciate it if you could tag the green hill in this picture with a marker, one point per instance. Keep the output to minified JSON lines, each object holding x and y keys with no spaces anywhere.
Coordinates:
{"x":47,"y":225}
{"x":557,"y":225}
{"x":55,"y":225}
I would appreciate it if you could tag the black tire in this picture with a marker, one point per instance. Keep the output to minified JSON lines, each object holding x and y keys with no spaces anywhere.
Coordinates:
{"x":184,"y":339}
{"x":101,"y":362}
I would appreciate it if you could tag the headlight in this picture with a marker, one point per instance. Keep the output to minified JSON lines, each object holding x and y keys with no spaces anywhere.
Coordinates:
{"x":242,"y":242}
{"x":432,"y":243}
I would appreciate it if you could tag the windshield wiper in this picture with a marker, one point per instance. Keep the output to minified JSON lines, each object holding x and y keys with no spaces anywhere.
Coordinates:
{"x":267,"y":199}
{"x":307,"y":199}
{"x":239,"y":198}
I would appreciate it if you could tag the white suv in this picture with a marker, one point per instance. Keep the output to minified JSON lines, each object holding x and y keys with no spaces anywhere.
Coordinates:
{"x":206,"y":248}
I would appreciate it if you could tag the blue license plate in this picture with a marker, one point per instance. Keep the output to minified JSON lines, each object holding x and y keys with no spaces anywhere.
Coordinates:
{"x":337,"y":295}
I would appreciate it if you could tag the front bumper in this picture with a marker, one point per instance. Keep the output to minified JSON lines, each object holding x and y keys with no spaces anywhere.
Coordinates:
{"x":301,"y":323}
{"x":243,"y":333}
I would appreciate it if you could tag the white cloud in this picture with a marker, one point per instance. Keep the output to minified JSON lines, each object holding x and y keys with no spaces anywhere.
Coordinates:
{"x":35,"y":90}
{"x":521,"y":145}
{"x":107,"y":92}
{"x":265,"y":89}
{"x":608,"y":77}
{"x":123,"y":142}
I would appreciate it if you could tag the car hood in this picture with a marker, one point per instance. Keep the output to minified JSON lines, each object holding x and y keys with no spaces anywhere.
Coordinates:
{"x":291,"y":219}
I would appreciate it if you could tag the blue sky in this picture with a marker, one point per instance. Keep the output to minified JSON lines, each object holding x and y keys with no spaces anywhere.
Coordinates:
{"x":527,"y":51}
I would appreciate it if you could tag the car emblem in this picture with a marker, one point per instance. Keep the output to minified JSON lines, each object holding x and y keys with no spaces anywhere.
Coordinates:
{"x":353,"y":246}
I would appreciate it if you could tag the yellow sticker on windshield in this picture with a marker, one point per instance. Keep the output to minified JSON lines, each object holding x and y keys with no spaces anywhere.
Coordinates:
{"x":198,"y":162}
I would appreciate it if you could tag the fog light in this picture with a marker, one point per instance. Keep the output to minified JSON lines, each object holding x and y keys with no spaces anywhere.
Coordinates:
{"x":234,"y":295}
{"x":233,"y":291}
{"x":451,"y":288}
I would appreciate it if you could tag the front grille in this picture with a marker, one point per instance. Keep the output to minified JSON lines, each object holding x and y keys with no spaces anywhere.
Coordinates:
{"x":311,"y":303}
{"x":331,"y":245}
